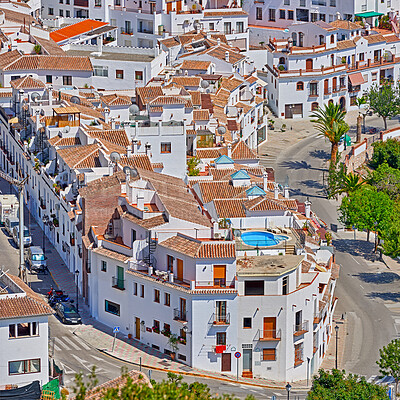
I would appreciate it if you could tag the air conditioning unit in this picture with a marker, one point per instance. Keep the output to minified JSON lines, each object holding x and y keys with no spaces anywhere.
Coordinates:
{"x":217,"y":235}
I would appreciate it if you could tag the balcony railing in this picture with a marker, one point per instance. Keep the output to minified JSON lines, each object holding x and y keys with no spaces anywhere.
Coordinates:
{"x":313,"y":93}
{"x":265,"y":335}
{"x":145,"y":30}
{"x":300,"y":329}
{"x":327,"y":91}
{"x":127,"y":31}
{"x":180,"y":315}
{"x":118,"y":283}
{"x":223,"y":319}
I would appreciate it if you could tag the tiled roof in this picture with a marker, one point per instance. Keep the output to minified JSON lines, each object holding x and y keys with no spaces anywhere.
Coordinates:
{"x":182,"y":244}
{"x":211,"y":153}
{"x":211,"y":190}
{"x":116,"y":136}
{"x":219,"y":52}
{"x":186,"y":81}
{"x":157,"y":165}
{"x":251,"y":79}
{"x":264,"y":204}
{"x":206,"y":101}
{"x":116,"y":100}
{"x":232,"y":125}
{"x":138,"y":161}
{"x":148,"y":223}
{"x":335,"y":271}
{"x":216,"y":250}
{"x":343,"y":24}
{"x":324,"y":25}
{"x":230,"y":208}
{"x":201,"y":115}
{"x":15,"y":16}
{"x":391,"y":38}
{"x":170,"y":42}
{"x":50,"y":63}
{"x":62,"y":142}
{"x":167,"y":100}
{"x":49,"y":47}
{"x":305,"y":266}
{"x":231,"y":84}
{"x":27,"y":82}
{"x":73,"y":30}
{"x":194,"y":64}
{"x":24,"y":306}
{"x":241,"y":151}
{"x":375,"y":38}
{"x":345,"y":44}
{"x":196,"y":98}
{"x":9,"y":57}
{"x":80,"y":156}
{"x":222,"y":97}
{"x":111,"y":254}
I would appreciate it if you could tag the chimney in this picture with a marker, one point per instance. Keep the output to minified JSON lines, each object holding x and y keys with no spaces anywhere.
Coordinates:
{"x":106,"y":115}
{"x":112,"y":123}
{"x":100,"y":43}
{"x":218,"y":41}
{"x":265,"y":181}
{"x":37,"y":114}
{"x":229,"y":150}
{"x":308,"y":208}
{"x":140,"y":201}
{"x":227,"y":56}
{"x":127,"y":177}
{"x":50,"y":91}
{"x":129,"y":151}
{"x":110,"y":168}
{"x":276,"y":191}
{"x":286,"y":192}
{"x":134,"y":146}
{"x":147,"y":147}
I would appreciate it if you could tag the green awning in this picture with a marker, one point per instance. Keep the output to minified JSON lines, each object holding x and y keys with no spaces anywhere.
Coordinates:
{"x":369,"y":14}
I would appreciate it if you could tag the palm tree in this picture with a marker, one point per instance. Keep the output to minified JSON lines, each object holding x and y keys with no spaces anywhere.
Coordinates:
{"x":351,"y":183}
{"x":330,"y":123}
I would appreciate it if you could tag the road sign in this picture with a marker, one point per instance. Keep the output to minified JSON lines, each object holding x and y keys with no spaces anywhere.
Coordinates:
{"x":238,"y":354}
{"x":116,"y":329}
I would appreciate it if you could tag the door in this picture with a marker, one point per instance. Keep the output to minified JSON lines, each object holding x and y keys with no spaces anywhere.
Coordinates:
{"x":226,"y":362}
{"x":220,"y":275}
{"x":288,"y":111}
{"x":342,"y":103}
{"x":299,"y":320}
{"x":182,"y":308}
{"x":247,"y":359}
{"x":179,"y":272}
{"x":169,"y":7}
{"x":120,"y":278}
{"x":137,"y":328}
{"x":269,"y":327}
{"x":326,"y":86}
{"x":179,"y":6}
{"x":220,"y":312}
{"x":309,"y":64}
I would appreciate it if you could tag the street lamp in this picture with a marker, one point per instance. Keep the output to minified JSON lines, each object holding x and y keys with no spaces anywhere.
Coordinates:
{"x":77,"y":297}
{"x":45,"y":221}
{"x":337,"y":336}
{"x":288,"y":388}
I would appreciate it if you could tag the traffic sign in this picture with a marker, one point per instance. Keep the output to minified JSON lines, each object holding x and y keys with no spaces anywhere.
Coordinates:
{"x":116,"y":329}
{"x":238,"y":354}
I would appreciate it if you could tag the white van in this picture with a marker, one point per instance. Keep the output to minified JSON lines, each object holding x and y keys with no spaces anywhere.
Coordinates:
{"x":10,"y":223}
{"x":27,"y":237}
{"x":36,"y":259}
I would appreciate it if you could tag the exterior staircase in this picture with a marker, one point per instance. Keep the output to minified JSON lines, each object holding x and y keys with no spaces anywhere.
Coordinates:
{"x":247,"y":374}
{"x":290,"y":249}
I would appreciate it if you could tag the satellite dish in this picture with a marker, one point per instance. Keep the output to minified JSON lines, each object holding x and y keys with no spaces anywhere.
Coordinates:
{"x":42,"y":112}
{"x":115,"y":157}
{"x":127,"y":170}
{"x":35,"y":96}
{"x":133,"y":109}
{"x":75,"y":100}
{"x":221,"y":130}
{"x":66,"y":129}
{"x":134,"y":173}
{"x":204,"y":84}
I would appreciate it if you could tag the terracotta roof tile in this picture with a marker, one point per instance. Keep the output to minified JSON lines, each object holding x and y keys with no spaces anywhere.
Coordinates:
{"x":167,"y":100}
{"x":63,"y":142}
{"x":111,"y":254}
{"x":231,"y":84}
{"x":264,"y":204}
{"x":116,"y":100}
{"x":230,"y":208}
{"x":27,"y":82}
{"x":375,"y":38}
{"x":196,"y":98}
{"x":116,"y":136}
{"x":345,"y":44}
{"x":224,"y":13}
{"x":222,"y":97}
{"x":80,"y":156}
{"x":305,"y":266}
{"x":182,"y":244}
{"x":201,"y":115}
{"x":73,"y":30}
{"x":194,"y":64}
{"x":147,"y":223}
{"x":211,"y":190}
{"x":343,"y":24}
{"x":217,"y":250}
{"x":186,"y":81}
{"x":137,"y":161}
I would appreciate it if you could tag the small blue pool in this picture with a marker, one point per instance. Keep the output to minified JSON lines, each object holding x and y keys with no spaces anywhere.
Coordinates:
{"x":262,"y":239}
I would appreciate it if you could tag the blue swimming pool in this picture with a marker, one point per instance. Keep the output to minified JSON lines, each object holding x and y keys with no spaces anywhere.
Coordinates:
{"x":262,"y":239}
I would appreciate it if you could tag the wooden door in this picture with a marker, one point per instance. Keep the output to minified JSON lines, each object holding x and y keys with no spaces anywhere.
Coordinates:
{"x":169,"y":7}
{"x":220,"y":275}
{"x":179,"y":267}
{"x":137,"y":328}
{"x":326,"y":86}
{"x":247,"y":359}
{"x":178,"y":6}
{"x":309,"y":64}
{"x":226,"y":362}
{"x":269,"y":327}
{"x":182,"y":307}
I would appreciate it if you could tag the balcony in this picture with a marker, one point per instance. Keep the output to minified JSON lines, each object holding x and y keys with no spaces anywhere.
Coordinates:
{"x":268,"y":335}
{"x":217,"y":283}
{"x":327,"y":91}
{"x":42,"y":204}
{"x":118,"y":283}
{"x":317,"y":318}
{"x":298,"y":356}
{"x":300,"y":329}
{"x":127,"y":31}
{"x":221,"y":319}
{"x":81,"y":3}
{"x":145,"y":30}
{"x":313,"y":93}
{"x":180,"y":315}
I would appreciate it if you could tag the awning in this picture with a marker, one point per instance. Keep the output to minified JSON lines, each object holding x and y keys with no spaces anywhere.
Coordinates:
{"x":369,"y":14}
{"x":356,"y":79}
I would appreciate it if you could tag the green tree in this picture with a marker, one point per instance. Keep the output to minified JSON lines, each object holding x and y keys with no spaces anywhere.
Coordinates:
{"x":350,"y":184}
{"x":384,"y":100}
{"x":192,"y":164}
{"x":336,"y":176}
{"x":386,"y":152}
{"x":389,"y":362}
{"x":37,"y":48}
{"x":329,"y":121}
{"x":386,"y":179}
{"x":336,"y":385}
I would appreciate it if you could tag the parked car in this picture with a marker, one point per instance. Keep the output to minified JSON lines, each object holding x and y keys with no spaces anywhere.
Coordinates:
{"x":9,"y":223}
{"x":59,"y":298}
{"x":36,"y":259}
{"x":27,"y":237}
{"x":67,"y":313}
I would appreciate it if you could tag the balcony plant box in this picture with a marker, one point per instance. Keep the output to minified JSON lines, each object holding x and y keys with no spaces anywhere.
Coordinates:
{"x":166,"y":333}
{"x":182,"y":340}
{"x":155,"y":329}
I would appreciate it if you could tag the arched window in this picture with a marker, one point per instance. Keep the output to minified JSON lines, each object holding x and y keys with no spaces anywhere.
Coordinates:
{"x":332,"y":38}
{"x":300,"y":86}
{"x":314,"y":106}
{"x":301,"y":39}
{"x":282,"y":60}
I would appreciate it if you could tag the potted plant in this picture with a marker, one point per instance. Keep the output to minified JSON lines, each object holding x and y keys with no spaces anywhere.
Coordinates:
{"x":55,"y":222}
{"x":155,"y":329}
{"x":173,"y":341}
{"x":283,"y":128}
{"x":182,"y":340}
{"x":271,"y":124}
{"x":166,"y":332}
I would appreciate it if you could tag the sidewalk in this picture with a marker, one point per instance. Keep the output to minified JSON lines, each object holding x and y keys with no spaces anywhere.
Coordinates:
{"x":137,"y":353}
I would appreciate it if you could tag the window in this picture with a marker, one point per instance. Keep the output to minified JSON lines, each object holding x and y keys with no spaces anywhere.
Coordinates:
{"x":61,"y":1}
{"x":99,"y":70}
{"x":282,"y":14}
{"x":112,"y":308}
{"x":156,"y":296}
{"x":298,"y":354}
{"x":246,"y":322}
{"x":290,"y":14}
{"x":142,"y":291}
{"x":24,"y":367}
{"x":332,"y":3}
{"x":67,"y":80}
{"x":133,"y":235}
{"x":156,"y":326}
{"x":11,"y":331}
{"x":374,"y":76}
{"x":361,"y":57}
{"x":139,"y":75}
{"x":271,"y":14}
{"x":61,"y":12}
{"x":167,"y":299}
{"x":221,"y":338}
{"x":170,"y":263}
{"x":97,"y":3}
{"x":227,"y":28}
{"x":23,"y":330}
{"x":183,"y":336}
{"x":314,"y":17}
{"x":51,"y":11}
{"x":322,"y":17}
{"x":282,"y":60}
{"x":119,"y":74}
{"x":268,"y":355}
{"x":104,"y":266}
{"x":211,"y":26}
{"x":285,"y":285}
{"x":181,"y":357}
{"x":67,"y":2}
{"x":259,"y":13}
{"x":300,"y":86}
{"x":165,"y":147}
{"x":286,"y":2}
{"x":239,"y":27}
{"x":313,"y":89}
{"x":253,"y":288}
{"x":314,"y":106}
{"x":67,"y":13}
{"x":167,"y":328}
{"x":135,"y":288}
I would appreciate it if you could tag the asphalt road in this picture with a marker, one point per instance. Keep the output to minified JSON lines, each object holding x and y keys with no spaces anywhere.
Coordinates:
{"x":367,"y":291}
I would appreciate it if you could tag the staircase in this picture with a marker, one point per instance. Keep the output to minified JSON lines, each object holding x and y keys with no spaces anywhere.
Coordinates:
{"x":290,"y":249}
{"x":151,"y":244}
{"x":247,"y":374}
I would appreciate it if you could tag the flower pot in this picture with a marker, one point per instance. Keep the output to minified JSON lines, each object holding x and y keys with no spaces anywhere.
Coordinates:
{"x":129,"y":335}
{"x":172,"y":356}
